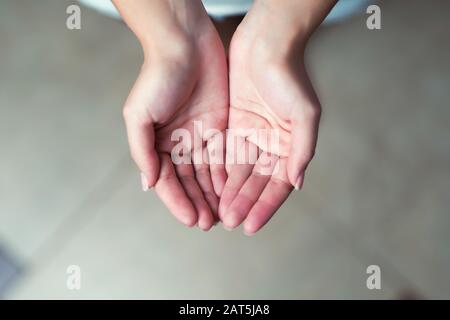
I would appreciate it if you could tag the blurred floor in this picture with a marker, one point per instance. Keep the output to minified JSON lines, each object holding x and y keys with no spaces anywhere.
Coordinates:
{"x":377,"y":191}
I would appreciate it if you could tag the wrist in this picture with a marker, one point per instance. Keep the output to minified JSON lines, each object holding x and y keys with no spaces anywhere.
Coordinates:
{"x":176,"y":34}
{"x":165,"y":28}
{"x":271,"y":33}
{"x":303,"y":16}
{"x":175,"y":46}
{"x":281,"y":28}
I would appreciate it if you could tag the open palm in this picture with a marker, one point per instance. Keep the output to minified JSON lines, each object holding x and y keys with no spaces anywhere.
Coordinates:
{"x":267,"y":93}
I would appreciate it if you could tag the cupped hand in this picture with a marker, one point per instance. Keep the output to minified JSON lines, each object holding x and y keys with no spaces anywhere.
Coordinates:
{"x":184,"y":82}
{"x":270,"y":90}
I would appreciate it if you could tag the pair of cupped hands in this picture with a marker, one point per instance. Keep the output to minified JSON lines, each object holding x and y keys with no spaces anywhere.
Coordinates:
{"x":186,"y":78}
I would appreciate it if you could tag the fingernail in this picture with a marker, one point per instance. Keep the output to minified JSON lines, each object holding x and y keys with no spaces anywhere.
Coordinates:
{"x":299,"y":182}
{"x":144,"y":182}
{"x":227,"y":228}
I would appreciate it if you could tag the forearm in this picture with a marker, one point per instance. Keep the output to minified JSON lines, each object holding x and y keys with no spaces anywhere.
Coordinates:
{"x":299,"y":17}
{"x":286,"y":25}
{"x":163,"y":23}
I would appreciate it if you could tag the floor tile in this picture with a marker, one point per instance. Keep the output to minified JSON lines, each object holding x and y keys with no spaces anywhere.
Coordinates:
{"x":133,"y":248}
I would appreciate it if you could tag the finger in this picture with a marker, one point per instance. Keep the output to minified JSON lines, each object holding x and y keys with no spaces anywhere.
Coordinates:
{"x":236,"y":179}
{"x":275,"y":193}
{"x":141,"y":139}
{"x":185,"y":173}
{"x":303,"y":144}
{"x":239,"y":151}
{"x":171,"y":192}
{"x":238,"y":172}
{"x":203,"y":177}
{"x":250,"y":191}
{"x":216,"y":155}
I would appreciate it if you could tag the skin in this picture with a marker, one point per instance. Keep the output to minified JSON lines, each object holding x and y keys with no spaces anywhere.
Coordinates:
{"x":184,"y":78}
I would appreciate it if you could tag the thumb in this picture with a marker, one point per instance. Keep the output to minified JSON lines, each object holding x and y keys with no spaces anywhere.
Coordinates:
{"x":304,"y":132}
{"x":141,"y":139}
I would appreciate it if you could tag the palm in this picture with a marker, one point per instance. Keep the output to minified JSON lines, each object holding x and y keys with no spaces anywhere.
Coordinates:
{"x":203,"y":100}
{"x":255,"y":102}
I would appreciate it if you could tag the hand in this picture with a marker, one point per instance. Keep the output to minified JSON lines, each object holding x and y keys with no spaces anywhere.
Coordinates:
{"x":183,"y":79}
{"x":269,"y":89}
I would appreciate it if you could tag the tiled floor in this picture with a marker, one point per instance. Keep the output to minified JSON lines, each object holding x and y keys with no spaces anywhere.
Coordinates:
{"x":377,"y":191}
